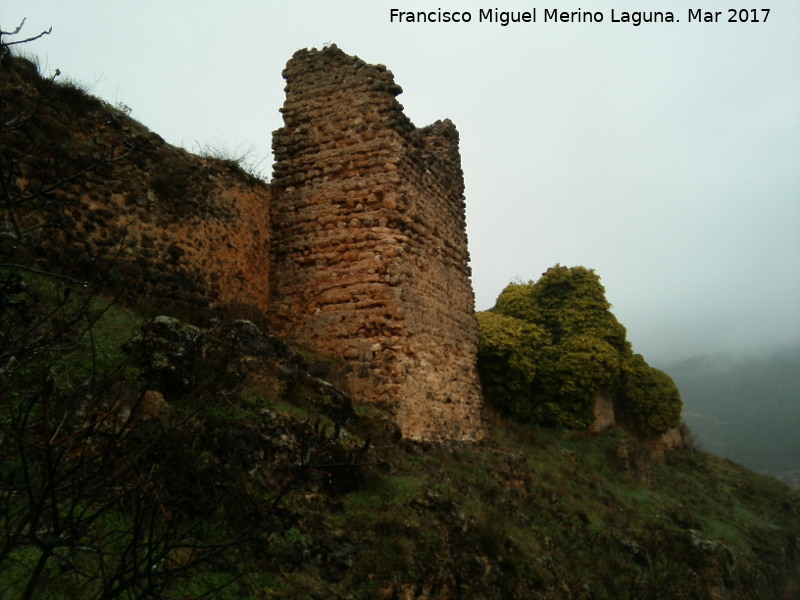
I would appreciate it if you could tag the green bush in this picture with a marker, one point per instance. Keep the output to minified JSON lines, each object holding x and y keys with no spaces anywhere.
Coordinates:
{"x":580,"y":368}
{"x":650,"y":399}
{"x":566,"y":301}
{"x":510,"y":351}
{"x":549,"y":348}
{"x":518,"y":300}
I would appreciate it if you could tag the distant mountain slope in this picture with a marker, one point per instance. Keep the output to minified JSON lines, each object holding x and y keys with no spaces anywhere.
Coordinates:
{"x":746,"y":407}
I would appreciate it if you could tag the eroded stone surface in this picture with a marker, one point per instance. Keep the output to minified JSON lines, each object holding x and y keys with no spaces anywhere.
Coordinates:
{"x":604,"y":414}
{"x":369,"y":255}
{"x":115,"y":201}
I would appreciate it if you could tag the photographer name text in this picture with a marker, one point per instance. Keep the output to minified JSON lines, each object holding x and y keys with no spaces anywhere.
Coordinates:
{"x":505,"y":18}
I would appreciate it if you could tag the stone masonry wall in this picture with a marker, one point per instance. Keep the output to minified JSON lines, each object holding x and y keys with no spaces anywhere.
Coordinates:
{"x":188,"y":233}
{"x":369,"y":258}
{"x":159,"y":224}
{"x":357,"y":249}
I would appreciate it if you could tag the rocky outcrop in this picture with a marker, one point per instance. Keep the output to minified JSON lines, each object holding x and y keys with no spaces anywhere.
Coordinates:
{"x":176,"y":358}
{"x":677,"y":438}
{"x":369,"y":251}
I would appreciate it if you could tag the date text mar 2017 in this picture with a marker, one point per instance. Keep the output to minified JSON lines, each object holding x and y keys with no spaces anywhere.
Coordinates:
{"x":732,"y":15}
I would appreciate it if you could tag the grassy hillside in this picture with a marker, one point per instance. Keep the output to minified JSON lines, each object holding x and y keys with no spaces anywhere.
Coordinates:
{"x":261,"y":483}
{"x":537,"y":514}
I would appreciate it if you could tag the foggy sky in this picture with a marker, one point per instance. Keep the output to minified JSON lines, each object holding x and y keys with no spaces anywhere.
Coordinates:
{"x":664,"y":156}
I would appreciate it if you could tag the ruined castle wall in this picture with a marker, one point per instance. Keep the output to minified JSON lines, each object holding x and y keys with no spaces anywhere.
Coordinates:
{"x":160,"y":224}
{"x":369,"y":253}
{"x":186,"y":232}
{"x":438,"y":301}
{"x":357,"y":249}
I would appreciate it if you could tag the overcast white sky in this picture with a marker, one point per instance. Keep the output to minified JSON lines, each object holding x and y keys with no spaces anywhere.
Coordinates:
{"x":664,"y":156}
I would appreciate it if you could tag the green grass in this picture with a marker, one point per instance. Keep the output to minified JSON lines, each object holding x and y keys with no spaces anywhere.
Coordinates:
{"x":86,"y":330}
{"x":558,"y":514}
{"x":529,"y":513}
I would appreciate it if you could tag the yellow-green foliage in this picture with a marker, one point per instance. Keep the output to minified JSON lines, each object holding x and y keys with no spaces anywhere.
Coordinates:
{"x":579,"y":369}
{"x":651,"y":399}
{"x":549,"y":348}
{"x":510,"y":355}
{"x":519,"y":300}
{"x":566,"y":302}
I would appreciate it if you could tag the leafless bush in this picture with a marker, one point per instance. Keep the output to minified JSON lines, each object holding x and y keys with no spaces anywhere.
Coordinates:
{"x":83,"y":511}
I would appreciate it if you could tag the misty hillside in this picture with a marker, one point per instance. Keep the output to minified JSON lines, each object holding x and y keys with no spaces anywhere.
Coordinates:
{"x":746,"y":407}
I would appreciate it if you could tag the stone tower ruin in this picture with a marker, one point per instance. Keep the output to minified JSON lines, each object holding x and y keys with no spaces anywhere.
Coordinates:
{"x":369,"y":259}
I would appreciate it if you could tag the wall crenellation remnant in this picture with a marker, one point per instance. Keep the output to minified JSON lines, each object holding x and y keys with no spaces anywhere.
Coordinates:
{"x":369,"y":258}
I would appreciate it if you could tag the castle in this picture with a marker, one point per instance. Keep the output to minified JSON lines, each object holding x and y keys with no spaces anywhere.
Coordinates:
{"x":356,"y":250}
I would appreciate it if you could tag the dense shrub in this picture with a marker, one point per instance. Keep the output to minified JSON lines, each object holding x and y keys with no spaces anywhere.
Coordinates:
{"x":510,"y":356}
{"x":566,"y":302}
{"x":650,"y":399}
{"x":549,"y":348}
{"x":576,"y":372}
